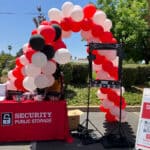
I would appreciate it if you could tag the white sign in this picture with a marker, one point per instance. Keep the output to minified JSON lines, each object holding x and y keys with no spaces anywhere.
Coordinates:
{"x":143,"y":132}
{"x":2,"y":92}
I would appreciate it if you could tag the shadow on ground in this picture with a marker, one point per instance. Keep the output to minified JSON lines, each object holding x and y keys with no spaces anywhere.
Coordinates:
{"x":115,"y":138}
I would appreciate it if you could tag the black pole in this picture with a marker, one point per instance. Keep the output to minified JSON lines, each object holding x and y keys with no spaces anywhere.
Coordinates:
{"x":89,"y":86}
{"x":120,"y":54}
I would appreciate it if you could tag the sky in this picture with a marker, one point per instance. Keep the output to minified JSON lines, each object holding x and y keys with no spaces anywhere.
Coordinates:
{"x":16,"y":24}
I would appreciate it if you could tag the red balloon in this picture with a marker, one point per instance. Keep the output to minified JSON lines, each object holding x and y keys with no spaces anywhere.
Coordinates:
{"x":18,"y":84}
{"x":110,"y":118}
{"x":66,"y":24}
{"x":102,"y":109}
{"x":17,"y":72}
{"x":114,"y":72}
{"x":18,"y":63}
{"x":99,"y":59}
{"x":95,"y":52}
{"x":86,"y":24}
{"x":106,"y":37}
{"x":106,"y":90}
{"x":75,"y":26}
{"x":107,"y":65}
{"x":48,"y":33}
{"x":53,"y":22}
{"x":44,"y":22}
{"x":117,"y":103}
{"x":97,"y":30}
{"x":89,"y":10}
{"x":29,"y":53}
{"x":113,"y":97}
{"x":34,"y":32}
{"x":59,"y":44}
{"x":114,"y":41}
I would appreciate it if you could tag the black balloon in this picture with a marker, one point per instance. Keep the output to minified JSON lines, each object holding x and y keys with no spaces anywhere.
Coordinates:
{"x":49,"y":51}
{"x":37,"y":42}
{"x":57,"y":30}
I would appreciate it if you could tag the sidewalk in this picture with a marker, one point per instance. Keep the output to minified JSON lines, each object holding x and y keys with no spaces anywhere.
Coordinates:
{"x":98,"y":119}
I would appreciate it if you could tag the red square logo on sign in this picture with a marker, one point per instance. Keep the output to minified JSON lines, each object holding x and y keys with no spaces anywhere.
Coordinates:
{"x":146,"y":111}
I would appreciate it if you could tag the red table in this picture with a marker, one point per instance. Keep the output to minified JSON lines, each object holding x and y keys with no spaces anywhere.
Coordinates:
{"x":33,"y":121}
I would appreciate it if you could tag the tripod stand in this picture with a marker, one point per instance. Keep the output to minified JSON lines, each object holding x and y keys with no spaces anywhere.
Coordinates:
{"x":87,"y":135}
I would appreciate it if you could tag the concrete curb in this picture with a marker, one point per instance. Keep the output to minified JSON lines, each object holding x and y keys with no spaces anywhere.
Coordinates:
{"x":96,"y":108}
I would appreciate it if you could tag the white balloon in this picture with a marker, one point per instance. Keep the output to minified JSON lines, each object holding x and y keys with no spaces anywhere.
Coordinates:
{"x":25,"y":47}
{"x":96,"y":67}
{"x":23,"y":71}
{"x":11,"y":76}
{"x":32,"y":70}
{"x":41,"y":81}
{"x":55,"y":14}
{"x":102,"y":75}
{"x":66,"y":34}
{"x":23,"y":60}
{"x":62,"y":56}
{"x":116,"y":112}
{"x":100,"y":95}
{"x":10,"y":85}
{"x":39,"y":59}
{"x":49,"y":68}
{"x":28,"y":84}
{"x":107,"y":104}
{"x":67,"y":8}
{"x":115,"y":61}
{"x":107,"y":25}
{"x":123,"y":90}
{"x":51,"y":80}
{"x":77,"y":13}
{"x":40,"y":27}
{"x":109,"y":54}
{"x":99,"y":17}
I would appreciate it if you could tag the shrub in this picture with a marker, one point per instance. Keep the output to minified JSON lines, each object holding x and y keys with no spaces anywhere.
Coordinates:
{"x":129,"y":76}
{"x":80,"y":73}
{"x":67,"y":71}
{"x":135,"y":74}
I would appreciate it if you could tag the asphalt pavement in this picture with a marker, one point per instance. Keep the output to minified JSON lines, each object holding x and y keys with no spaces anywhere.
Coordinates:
{"x":101,"y":136}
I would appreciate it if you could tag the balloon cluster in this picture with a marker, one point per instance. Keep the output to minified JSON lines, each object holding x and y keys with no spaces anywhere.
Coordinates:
{"x":111,"y":104}
{"x":38,"y":64}
{"x":94,"y":26}
{"x":35,"y":68}
{"x":90,"y":21}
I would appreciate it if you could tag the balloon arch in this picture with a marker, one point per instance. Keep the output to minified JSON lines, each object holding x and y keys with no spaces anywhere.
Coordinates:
{"x":45,"y":49}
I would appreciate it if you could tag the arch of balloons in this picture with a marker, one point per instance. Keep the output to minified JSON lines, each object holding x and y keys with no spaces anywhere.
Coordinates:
{"x":35,"y":68}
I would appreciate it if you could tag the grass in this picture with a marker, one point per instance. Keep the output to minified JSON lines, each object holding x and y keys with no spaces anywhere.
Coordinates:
{"x":78,"y":94}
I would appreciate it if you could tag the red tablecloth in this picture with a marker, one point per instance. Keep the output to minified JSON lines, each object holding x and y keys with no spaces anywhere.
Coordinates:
{"x":33,"y":121}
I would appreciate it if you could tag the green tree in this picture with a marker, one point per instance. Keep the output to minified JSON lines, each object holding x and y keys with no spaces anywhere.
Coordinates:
{"x":7,"y":62}
{"x":129,"y":25}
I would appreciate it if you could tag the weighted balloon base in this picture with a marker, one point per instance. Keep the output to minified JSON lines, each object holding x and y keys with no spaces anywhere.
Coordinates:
{"x":116,"y":141}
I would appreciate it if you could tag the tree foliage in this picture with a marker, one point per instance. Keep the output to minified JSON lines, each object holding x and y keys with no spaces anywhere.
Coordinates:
{"x":130,"y":25}
{"x":6,"y":62}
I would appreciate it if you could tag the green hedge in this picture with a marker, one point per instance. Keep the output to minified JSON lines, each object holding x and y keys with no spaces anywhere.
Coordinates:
{"x":135,"y":75}
{"x":132,"y":74}
{"x":76,"y":73}
{"x":80,"y":73}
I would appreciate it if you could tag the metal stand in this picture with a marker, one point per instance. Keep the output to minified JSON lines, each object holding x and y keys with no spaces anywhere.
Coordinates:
{"x":116,"y":139}
{"x":87,"y":135}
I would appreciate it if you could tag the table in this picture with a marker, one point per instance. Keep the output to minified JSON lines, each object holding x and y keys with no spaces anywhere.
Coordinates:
{"x":32,"y":121}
